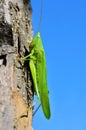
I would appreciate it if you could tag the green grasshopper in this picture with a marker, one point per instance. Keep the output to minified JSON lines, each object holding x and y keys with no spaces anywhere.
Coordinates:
{"x":37,"y":64}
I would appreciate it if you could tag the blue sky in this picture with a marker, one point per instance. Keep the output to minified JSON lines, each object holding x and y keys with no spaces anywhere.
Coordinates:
{"x":63,"y":31}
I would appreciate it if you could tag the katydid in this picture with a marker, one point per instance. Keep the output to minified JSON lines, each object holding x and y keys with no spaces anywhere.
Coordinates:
{"x":37,"y":65}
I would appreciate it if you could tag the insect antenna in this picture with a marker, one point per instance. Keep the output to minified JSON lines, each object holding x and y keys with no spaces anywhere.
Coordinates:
{"x":40,"y":20}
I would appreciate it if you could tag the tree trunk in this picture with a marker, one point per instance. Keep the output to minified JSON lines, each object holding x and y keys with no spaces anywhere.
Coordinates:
{"x":16,"y":93}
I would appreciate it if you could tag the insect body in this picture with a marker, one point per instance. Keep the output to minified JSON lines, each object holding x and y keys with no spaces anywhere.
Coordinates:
{"x":38,"y":71}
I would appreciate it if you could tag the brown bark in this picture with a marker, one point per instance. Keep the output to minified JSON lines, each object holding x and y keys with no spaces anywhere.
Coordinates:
{"x":15,"y":85}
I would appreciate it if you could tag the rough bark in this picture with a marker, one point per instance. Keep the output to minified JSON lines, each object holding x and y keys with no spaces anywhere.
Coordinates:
{"x":15,"y":85}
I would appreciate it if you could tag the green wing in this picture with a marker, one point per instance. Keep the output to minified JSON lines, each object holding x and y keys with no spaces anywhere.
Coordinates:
{"x":42,"y":84}
{"x":42,"y":80}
